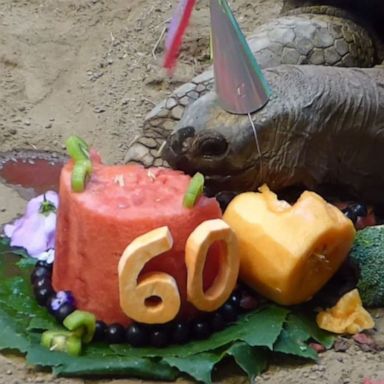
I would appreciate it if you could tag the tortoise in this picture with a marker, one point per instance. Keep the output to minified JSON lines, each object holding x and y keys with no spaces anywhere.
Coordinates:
{"x":323,"y":125}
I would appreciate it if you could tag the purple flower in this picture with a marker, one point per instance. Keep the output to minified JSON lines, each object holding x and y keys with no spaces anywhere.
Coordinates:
{"x":61,"y":298}
{"x":35,"y":231}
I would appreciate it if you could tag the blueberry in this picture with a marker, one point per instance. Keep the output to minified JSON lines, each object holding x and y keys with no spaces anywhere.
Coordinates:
{"x":229,"y":312}
{"x":115,"y":334}
{"x":159,"y":338}
{"x":235,"y":298}
{"x":360,"y":210}
{"x":201,"y":330}
{"x":136,"y":335}
{"x":217,"y":322}
{"x":39,"y":272}
{"x":180,"y":333}
{"x":350,"y":214}
{"x":44,"y":264}
{"x":43,"y":293}
{"x":100,"y":331}
{"x":64,"y":310}
{"x":224,"y":198}
{"x":42,"y":282}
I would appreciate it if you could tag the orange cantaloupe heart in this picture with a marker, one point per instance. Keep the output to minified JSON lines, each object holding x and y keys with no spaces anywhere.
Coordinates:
{"x":288,"y":252}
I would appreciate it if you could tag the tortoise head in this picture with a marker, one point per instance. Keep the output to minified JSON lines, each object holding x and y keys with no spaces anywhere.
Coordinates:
{"x":218,"y":144}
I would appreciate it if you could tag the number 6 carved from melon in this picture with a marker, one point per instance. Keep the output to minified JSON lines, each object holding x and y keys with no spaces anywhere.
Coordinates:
{"x":134,"y":295}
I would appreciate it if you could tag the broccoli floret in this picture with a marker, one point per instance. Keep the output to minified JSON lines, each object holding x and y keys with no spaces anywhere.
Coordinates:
{"x":368,"y":253}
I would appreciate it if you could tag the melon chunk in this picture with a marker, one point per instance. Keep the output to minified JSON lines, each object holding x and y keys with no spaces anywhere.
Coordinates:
{"x":347,"y":316}
{"x":288,"y":252}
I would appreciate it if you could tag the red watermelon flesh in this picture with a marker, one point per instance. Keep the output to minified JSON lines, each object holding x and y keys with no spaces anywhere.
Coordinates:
{"x":120,"y":203}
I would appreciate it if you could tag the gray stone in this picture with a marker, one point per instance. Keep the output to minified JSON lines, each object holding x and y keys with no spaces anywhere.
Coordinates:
{"x":184,"y":89}
{"x":156,"y":110}
{"x":156,"y":122}
{"x":335,"y":30}
{"x":266,"y":58}
{"x":331,"y":56}
{"x":159,"y":163}
{"x":170,"y":103}
{"x":201,"y":88}
{"x":348,"y":34}
{"x":205,"y":76}
{"x":306,"y":29}
{"x":193,"y":95}
{"x":282,"y":35}
{"x":323,"y":39}
{"x":168,"y":125}
{"x":290,"y":56}
{"x":136,"y":152}
{"x":348,"y":61}
{"x":257,"y":43}
{"x":177,"y":112}
{"x":148,"y":142}
{"x":342,"y":47}
{"x":353,"y":50}
{"x":316,"y":57}
{"x":184,"y":101}
{"x":275,"y":48}
{"x":304,"y":45}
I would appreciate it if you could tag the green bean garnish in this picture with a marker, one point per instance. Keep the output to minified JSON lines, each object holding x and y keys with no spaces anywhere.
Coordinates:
{"x":80,"y":172}
{"x":77,"y":148}
{"x":194,"y":191}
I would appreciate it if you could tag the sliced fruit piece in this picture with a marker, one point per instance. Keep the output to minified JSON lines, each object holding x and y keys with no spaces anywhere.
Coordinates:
{"x":62,"y":341}
{"x":198,"y":244}
{"x":135,"y":295}
{"x":347,"y":316}
{"x":287,"y":253}
{"x":82,"y":323}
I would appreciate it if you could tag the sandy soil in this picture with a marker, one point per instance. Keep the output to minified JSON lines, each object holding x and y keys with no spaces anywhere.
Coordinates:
{"x":90,"y":67}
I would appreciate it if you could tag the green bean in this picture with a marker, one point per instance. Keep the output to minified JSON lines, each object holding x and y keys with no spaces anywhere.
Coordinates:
{"x":194,"y":191}
{"x":81,"y":171}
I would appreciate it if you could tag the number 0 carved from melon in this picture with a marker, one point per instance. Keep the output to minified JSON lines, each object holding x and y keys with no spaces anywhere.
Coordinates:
{"x":135,"y":294}
{"x":196,"y":250}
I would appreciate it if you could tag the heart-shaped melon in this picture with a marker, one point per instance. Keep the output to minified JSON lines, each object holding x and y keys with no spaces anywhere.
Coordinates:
{"x":288,"y":252}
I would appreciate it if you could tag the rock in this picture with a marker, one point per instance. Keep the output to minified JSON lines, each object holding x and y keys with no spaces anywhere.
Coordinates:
{"x":342,"y":345}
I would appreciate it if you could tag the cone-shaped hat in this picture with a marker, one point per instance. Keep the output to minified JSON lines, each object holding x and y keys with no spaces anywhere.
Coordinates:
{"x":240,"y":84}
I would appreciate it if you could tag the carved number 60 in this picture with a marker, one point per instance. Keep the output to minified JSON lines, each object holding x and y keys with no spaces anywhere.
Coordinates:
{"x":134,"y":295}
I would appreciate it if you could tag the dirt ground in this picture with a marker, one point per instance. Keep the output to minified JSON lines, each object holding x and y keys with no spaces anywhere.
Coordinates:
{"x":93,"y":68}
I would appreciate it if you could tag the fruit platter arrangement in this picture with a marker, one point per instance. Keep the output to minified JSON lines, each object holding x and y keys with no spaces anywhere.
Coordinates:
{"x":133,"y":271}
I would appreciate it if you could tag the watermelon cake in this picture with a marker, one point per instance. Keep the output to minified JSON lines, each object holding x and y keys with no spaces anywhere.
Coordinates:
{"x":119,"y":204}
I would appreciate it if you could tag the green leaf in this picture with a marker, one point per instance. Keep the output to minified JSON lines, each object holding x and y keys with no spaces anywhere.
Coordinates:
{"x":5,"y":248}
{"x":294,"y":344}
{"x":131,"y":366}
{"x":12,"y":336}
{"x":298,"y":330}
{"x":259,"y":328}
{"x":40,"y":323}
{"x":308,"y":323}
{"x":198,"y":366}
{"x":252,"y":361}
{"x":26,"y":262}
